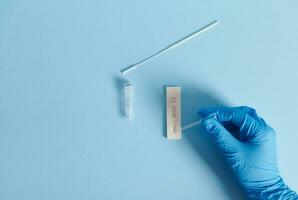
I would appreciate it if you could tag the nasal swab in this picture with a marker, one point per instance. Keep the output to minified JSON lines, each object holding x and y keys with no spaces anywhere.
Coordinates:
{"x":195,"y":123}
{"x":183,"y":128}
{"x":175,"y":44}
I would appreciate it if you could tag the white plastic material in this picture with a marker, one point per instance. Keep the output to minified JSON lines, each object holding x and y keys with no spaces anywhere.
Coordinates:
{"x":175,"y":44}
{"x":173,"y":100}
{"x":128,"y":95}
{"x":195,"y":123}
{"x":191,"y":125}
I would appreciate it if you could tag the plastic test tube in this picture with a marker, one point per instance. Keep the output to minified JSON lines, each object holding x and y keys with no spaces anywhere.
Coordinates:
{"x":128,"y":95}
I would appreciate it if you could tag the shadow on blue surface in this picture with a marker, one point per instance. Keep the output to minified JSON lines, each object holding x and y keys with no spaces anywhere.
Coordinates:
{"x":193,"y":99}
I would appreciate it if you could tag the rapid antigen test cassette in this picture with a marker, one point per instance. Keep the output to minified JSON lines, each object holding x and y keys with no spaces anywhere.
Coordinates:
{"x":173,"y":101}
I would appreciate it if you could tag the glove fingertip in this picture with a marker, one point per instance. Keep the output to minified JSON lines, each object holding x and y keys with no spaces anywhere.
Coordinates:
{"x":209,"y":124}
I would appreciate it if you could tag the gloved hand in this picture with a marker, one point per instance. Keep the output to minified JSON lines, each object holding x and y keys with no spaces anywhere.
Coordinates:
{"x":249,"y":146}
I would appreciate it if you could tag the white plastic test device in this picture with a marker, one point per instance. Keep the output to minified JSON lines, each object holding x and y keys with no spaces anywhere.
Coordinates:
{"x":173,"y":102}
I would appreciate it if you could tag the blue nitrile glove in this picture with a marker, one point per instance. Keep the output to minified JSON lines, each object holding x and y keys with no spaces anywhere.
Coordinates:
{"x":249,"y":146}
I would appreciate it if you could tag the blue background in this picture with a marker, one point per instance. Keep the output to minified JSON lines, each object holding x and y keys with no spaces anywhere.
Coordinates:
{"x":62,"y":135}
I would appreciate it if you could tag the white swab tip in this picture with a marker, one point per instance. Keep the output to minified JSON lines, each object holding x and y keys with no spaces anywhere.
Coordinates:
{"x":123,"y":72}
{"x":127,"y":69}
